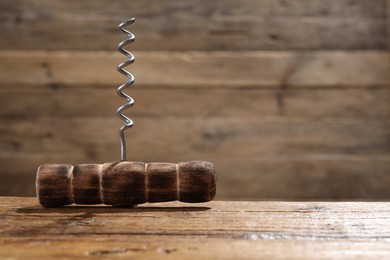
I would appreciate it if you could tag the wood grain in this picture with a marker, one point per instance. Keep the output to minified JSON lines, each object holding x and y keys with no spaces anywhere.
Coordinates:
{"x":178,"y":25}
{"x":305,"y":177}
{"x":214,"y":230}
{"x":55,"y":190}
{"x":290,"y":99}
{"x":254,"y":68}
{"x":28,"y":101}
{"x":314,"y":160}
{"x":298,"y":177}
{"x":125,"y":183}
{"x":212,"y":137}
{"x":86,"y":184}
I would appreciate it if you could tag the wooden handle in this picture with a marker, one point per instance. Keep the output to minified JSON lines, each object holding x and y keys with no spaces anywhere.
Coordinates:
{"x":125,"y":183}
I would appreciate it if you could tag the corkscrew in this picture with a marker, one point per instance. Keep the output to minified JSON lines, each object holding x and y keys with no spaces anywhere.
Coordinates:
{"x":130,"y":101}
{"x":125,"y":183}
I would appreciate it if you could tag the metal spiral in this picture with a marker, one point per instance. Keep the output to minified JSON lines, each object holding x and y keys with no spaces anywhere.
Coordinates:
{"x":130,"y":101}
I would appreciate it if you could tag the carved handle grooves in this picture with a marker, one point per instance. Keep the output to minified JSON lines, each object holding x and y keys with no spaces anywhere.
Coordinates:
{"x":125,"y":183}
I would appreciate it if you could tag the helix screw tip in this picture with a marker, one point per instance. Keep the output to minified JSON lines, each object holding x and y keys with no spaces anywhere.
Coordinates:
{"x":130,"y":101}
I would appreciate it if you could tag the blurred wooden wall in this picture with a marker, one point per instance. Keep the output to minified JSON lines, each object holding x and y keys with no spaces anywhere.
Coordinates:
{"x":289,"y":99}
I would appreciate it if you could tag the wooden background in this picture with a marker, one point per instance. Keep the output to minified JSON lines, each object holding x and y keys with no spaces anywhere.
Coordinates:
{"x":289,"y":99}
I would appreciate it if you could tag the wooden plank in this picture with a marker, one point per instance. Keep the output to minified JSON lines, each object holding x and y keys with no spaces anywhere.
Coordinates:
{"x":210,"y":219}
{"x":192,"y":138}
{"x":269,"y":69}
{"x":178,"y":25}
{"x":214,"y":230}
{"x":144,"y":247}
{"x":310,"y":177}
{"x":274,"y":144}
{"x":289,"y":177}
{"x":388,"y":25}
{"x":28,"y":101}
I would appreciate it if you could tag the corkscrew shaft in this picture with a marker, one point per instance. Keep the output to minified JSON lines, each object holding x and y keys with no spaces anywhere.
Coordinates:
{"x":130,"y":101}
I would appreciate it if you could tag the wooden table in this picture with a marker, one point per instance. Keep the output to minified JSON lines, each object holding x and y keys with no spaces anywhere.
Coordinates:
{"x":214,"y":230}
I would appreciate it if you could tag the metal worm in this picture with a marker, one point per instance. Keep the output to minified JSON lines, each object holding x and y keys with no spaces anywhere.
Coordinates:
{"x":130,"y":101}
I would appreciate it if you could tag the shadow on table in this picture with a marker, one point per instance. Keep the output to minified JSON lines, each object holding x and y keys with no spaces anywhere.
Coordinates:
{"x":107,"y":209}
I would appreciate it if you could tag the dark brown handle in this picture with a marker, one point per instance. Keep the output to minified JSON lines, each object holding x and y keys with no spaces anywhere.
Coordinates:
{"x":125,"y":183}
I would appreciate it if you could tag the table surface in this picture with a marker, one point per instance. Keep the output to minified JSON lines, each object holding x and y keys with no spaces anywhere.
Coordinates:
{"x":213,"y":230}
